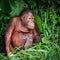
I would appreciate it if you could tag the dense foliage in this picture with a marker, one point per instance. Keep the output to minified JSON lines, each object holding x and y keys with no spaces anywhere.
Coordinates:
{"x":47,"y":18}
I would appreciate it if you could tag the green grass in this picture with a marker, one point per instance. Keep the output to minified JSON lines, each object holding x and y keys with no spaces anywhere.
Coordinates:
{"x":41,"y":51}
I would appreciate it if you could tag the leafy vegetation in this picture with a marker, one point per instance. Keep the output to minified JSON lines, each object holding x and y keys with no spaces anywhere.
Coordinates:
{"x":47,"y":18}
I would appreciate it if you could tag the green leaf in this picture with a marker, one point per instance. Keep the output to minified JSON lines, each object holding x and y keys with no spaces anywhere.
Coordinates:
{"x":38,"y":22}
{"x":16,"y":8}
{"x":14,"y":58}
{"x":45,"y":40}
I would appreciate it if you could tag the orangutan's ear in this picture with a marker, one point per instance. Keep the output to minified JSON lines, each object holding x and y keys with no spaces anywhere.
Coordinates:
{"x":22,"y":17}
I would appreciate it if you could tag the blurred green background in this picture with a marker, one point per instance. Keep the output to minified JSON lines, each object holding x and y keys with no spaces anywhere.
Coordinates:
{"x":47,"y":18}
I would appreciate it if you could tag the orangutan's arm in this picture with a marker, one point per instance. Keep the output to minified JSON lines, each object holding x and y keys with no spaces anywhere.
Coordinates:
{"x":8,"y":34}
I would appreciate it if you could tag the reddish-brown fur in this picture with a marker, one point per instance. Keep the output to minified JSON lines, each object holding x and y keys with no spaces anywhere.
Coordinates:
{"x":19,"y":35}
